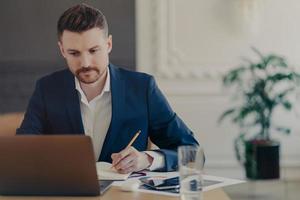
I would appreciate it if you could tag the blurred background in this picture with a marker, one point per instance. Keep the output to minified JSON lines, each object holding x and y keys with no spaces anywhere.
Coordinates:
{"x":190,"y":45}
{"x":187,"y":45}
{"x":28,"y":43}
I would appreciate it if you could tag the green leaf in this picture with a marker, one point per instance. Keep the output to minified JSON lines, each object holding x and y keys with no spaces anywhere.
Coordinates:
{"x":259,"y":66}
{"x":284,"y":130}
{"x":258,"y":53}
{"x":233,"y":76}
{"x":226,"y":114}
{"x":287,"y":105}
{"x":281,"y":96}
{"x":275,"y":61}
{"x":278,"y":77}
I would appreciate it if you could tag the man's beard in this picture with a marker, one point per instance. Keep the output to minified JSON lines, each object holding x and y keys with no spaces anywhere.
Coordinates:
{"x":84,"y":79}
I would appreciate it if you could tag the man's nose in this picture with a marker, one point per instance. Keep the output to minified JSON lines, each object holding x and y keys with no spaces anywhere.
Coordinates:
{"x":85,"y":61}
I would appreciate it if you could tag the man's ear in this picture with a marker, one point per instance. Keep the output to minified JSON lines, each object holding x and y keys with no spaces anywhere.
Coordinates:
{"x":61,"y":48}
{"x":109,"y":43}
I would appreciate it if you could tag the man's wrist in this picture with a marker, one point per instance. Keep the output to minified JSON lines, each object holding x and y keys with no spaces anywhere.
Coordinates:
{"x":157,"y":162}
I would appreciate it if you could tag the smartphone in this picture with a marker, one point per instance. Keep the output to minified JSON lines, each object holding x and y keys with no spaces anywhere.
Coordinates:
{"x":161,"y":184}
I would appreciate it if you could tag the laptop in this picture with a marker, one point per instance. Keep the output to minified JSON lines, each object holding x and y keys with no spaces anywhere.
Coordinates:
{"x":61,"y":165}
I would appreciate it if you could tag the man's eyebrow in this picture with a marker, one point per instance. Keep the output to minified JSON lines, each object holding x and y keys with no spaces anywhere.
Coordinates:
{"x":72,"y":50}
{"x":94,"y":47}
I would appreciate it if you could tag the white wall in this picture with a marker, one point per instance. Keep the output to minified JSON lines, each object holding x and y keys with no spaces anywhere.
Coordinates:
{"x":189,"y":44}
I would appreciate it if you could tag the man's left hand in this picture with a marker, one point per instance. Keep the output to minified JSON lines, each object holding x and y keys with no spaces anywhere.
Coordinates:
{"x":130,"y":160}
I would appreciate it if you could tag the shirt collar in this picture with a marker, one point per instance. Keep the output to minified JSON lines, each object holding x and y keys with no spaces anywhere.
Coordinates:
{"x":106,"y":87}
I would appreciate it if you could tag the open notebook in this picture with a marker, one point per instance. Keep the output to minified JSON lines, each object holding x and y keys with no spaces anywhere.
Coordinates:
{"x":105,"y":172}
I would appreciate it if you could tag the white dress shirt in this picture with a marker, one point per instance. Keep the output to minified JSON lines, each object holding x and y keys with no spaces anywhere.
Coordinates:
{"x":96,"y":118}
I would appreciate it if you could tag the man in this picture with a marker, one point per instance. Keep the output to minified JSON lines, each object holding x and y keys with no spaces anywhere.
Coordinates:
{"x":109,"y":104}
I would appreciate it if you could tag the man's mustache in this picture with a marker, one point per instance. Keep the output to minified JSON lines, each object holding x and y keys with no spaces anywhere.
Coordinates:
{"x":86,"y":69}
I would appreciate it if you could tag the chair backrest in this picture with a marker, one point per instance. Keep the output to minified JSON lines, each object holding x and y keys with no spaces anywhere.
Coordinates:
{"x":9,"y":123}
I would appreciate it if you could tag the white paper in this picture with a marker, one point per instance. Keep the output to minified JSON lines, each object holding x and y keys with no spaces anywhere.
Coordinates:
{"x":222,"y":182}
{"x":105,"y":172}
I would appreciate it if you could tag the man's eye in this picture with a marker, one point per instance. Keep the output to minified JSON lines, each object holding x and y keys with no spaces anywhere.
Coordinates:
{"x":74,"y":53}
{"x":93,"y":51}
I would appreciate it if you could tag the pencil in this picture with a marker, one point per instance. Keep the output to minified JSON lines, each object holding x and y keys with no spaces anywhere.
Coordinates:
{"x":133,"y":139}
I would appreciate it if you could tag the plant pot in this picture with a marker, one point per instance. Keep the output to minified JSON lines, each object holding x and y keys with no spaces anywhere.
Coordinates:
{"x":262,"y":159}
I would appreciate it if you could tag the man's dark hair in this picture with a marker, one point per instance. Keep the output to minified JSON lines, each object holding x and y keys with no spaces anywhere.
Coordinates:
{"x":80,"y":18}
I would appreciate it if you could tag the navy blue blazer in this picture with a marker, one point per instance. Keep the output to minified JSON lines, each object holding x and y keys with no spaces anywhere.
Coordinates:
{"x":137,"y":104}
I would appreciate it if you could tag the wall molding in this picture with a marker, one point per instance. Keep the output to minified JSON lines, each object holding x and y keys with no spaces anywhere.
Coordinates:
{"x":162,"y":57}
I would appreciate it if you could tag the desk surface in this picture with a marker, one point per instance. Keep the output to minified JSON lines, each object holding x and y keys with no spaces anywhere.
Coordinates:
{"x":116,"y":193}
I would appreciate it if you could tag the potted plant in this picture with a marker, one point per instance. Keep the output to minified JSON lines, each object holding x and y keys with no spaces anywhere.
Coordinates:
{"x":260,"y":88}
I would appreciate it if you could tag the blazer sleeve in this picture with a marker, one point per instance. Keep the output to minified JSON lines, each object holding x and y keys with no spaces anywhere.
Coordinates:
{"x":166,"y":129}
{"x":34,"y":118}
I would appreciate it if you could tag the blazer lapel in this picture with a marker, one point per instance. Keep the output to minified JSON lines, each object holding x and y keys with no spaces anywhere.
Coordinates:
{"x":73,"y":105}
{"x":117,"y":98}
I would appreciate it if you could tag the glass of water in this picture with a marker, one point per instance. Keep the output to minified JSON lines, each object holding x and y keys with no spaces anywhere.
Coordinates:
{"x":191,"y":162}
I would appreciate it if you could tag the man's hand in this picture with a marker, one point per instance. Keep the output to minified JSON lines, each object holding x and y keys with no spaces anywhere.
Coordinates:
{"x":130,"y":160}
